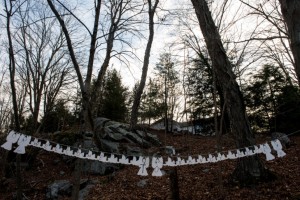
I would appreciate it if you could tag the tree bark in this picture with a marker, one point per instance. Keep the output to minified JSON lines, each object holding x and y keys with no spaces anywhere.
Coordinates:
{"x":248,"y":168}
{"x":139,"y":91}
{"x":291,"y":13}
{"x":12,"y":70}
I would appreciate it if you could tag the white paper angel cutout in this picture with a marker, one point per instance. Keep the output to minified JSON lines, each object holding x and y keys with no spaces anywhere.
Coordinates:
{"x":102,"y":157}
{"x":180,"y":161}
{"x":143,"y":164}
{"x":112,"y":159}
{"x":124,"y":160}
{"x":231,"y":155}
{"x":22,"y":142}
{"x":11,"y":138}
{"x":211,"y":158}
{"x":191,"y":160}
{"x":90,"y":155}
{"x":201,"y":159}
{"x":47,"y":146}
{"x":240,"y":154}
{"x":36,"y":143}
{"x":259,"y":149}
{"x":157,"y":163}
{"x":170,"y":162}
{"x":267,"y":151}
{"x":68,"y":151}
{"x":57,"y":149}
{"x":278,"y":148}
{"x":79,"y":154}
{"x":220,"y":157}
{"x":249,"y":152}
{"x":134,"y":161}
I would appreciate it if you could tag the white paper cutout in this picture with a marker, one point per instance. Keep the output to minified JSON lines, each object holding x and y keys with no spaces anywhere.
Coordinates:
{"x":191,"y":160}
{"x":211,"y":158}
{"x":47,"y":146}
{"x":124,"y":160}
{"x":267,"y":151}
{"x":231,"y":155}
{"x":170,"y":162}
{"x":22,"y":142}
{"x":278,"y":148}
{"x":201,"y":159}
{"x":143,"y":164}
{"x":11,"y":138}
{"x":157,"y":163}
{"x":180,"y":161}
{"x":112,"y":159}
{"x":68,"y":151}
{"x":220,"y":157}
{"x":36,"y":143}
{"x":249,"y":152}
{"x":134,"y":161}
{"x":79,"y":154}
{"x":91,"y":155}
{"x":57,"y":149}
{"x":102,"y":157}
{"x":259,"y":149}
{"x":240,"y":154}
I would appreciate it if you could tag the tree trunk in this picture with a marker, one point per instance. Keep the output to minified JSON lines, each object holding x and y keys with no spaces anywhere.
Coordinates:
{"x":12,"y":70}
{"x":139,"y":91}
{"x":174,"y":184}
{"x":291,"y":13}
{"x":248,"y":168}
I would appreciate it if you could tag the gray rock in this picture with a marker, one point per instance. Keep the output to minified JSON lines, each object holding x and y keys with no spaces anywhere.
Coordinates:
{"x":115,"y":137}
{"x":109,"y":146}
{"x":89,"y":144}
{"x":205,"y":170}
{"x":64,"y":188}
{"x":142,"y":183}
{"x":99,"y":168}
{"x":83,"y":193}
{"x":60,"y":187}
{"x":170,"y":150}
{"x":133,"y":151}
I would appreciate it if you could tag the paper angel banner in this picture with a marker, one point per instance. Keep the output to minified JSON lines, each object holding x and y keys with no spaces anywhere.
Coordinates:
{"x":11,"y":138}
{"x":143,"y":162}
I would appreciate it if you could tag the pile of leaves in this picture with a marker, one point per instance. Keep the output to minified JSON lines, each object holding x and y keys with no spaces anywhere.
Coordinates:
{"x":200,"y":181}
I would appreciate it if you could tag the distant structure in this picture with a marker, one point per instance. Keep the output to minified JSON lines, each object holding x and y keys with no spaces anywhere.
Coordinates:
{"x":173,"y":126}
{"x":204,"y":127}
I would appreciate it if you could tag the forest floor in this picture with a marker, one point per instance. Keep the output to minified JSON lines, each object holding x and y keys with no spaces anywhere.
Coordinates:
{"x":200,"y":181}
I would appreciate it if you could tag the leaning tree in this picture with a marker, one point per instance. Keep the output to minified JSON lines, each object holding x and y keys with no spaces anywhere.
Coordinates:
{"x":249,"y":169}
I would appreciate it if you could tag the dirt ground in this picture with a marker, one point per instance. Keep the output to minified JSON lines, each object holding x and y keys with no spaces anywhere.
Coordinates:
{"x":200,"y":181}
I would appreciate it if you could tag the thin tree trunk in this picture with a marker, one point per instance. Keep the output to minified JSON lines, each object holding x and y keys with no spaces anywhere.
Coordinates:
{"x":139,"y":91}
{"x":12,"y":70}
{"x":291,"y":13}
{"x":248,"y":168}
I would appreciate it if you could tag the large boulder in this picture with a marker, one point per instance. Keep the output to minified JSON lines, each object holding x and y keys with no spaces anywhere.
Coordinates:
{"x":116,"y":137}
{"x":63,"y":188}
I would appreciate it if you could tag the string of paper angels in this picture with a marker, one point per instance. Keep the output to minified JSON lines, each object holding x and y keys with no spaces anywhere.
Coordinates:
{"x":143,"y":162}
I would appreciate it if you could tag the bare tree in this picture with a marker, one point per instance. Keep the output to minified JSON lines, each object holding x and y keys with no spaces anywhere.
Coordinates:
{"x":291,"y":14}
{"x":5,"y":105}
{"x":248,"y":168}
{"x":9,"y":11}
{"x":139,"y":91}
{"x":270,"y":36}
{"x":120,"y":18}
{"x":44,"y":67}
{"x":84,"y":84}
